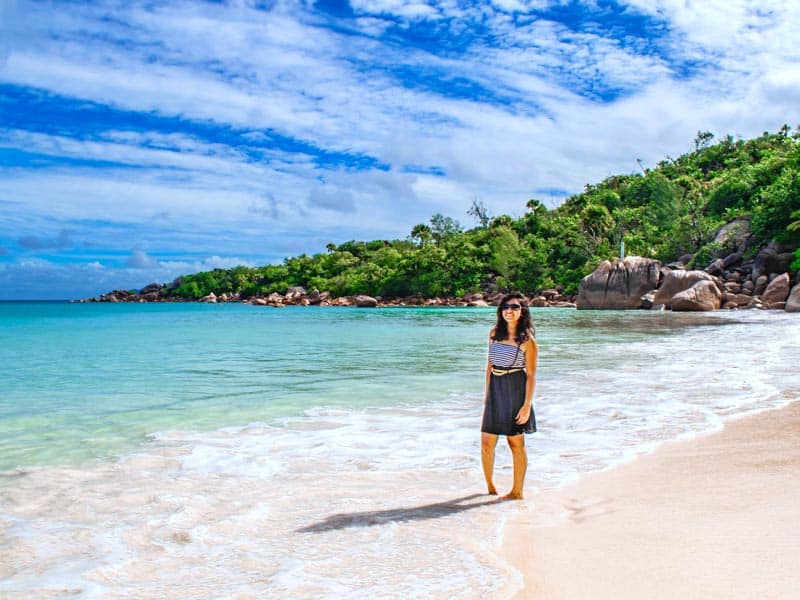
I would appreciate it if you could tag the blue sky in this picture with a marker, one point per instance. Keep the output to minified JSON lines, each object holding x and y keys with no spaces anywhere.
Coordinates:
{"x":143,"y":140}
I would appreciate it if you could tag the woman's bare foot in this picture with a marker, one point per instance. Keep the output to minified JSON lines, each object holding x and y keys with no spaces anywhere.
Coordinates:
{"x":512,"y":496}
{"x":492,"y":490}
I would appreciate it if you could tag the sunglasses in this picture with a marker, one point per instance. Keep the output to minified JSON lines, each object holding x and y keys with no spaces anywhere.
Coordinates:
{"x":510,"y":307}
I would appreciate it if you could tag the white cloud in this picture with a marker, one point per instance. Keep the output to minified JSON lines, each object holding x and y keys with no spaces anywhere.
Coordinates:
{"x":34,"y":278}
{"x":10,"y":21}
{"x":509,"y":5}
{"x":401,"y":8}
{"x":558,"y":108}
{"x":140,"y":260}
{"x":332,"y":198}
{"x":207,"y":264}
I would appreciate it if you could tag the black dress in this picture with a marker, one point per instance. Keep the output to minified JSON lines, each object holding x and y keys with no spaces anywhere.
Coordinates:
{"x":506,"y":393}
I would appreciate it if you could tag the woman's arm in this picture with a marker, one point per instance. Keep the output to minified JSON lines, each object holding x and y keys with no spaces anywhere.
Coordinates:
{"x":486,"y":385}
{"x":488,"y":370}
{"x":531,"y":357}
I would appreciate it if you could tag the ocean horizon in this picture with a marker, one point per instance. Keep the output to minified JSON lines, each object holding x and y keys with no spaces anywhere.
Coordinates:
{"x":315,"y":452}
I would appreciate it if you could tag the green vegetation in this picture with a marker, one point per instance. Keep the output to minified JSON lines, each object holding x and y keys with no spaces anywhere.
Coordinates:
{"x":663,"y":212}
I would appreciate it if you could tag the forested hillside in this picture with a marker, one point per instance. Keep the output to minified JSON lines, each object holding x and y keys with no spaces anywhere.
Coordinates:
{"x":664,"y":212}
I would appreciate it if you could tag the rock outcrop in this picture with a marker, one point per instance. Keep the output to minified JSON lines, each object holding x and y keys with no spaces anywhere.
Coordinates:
{"x":793,"y":301}
{"x":735,"y":300}
{"x":733,"y":236}
{"x":674,"y":282}
{"x":295,"y":294}
{"x":703,"y":295}
{"x":150,"y":289}
{"x":482,"y":303}
{"x":732,"y":282}
{"x":363,"y":301}
{"x":774,"y":258}
{"x":620,"y":284}
{"x":776,"y":292}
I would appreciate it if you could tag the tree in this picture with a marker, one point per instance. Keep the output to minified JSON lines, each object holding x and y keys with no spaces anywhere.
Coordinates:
{"x":734,"y":192}
{"x":535,"y":218}
{"x":443,"y":227}
{"x":479,"y":212}
{"x":703,"y":139}
{"x":794,"y":226}
{"x":421,"y":233}
{"x":504,"y":245}
{"x":777,"y":206}
{"x":662,"y":203}
{"x":693,"y":227}
{"x":353,"y":247}
{"x":796,"y":264}
{"x":597,"y":224}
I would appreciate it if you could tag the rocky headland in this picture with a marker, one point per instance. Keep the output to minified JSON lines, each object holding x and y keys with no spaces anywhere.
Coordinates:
{"x":762,"y":282}
{"x":299,"y":296}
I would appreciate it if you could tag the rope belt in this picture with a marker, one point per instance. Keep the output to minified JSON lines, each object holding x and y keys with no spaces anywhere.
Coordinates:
{"x":501,"y":372}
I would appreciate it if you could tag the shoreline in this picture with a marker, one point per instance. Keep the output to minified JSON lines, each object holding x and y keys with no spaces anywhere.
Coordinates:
{"x":715,"y":516}
{"x":299,"y":297}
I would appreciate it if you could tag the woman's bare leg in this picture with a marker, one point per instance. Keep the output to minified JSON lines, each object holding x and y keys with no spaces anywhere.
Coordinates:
{"x":520,"y":460}
{"x":488,"y":443}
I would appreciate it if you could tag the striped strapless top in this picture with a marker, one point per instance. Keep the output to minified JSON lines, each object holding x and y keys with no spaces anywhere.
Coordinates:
{"x":506,"y":356}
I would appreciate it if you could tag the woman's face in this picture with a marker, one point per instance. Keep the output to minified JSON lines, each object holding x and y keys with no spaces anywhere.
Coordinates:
{"x":511,"y":310}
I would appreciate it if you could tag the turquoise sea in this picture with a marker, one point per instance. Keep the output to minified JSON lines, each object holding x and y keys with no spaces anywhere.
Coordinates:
{"x":84,"y":381}
{"x":297,"y":452}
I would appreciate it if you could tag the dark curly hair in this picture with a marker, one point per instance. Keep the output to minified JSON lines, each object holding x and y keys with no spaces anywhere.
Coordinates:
{"x":525,"y":329}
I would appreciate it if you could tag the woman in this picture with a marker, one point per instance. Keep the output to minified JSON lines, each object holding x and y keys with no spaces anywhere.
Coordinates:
{"x":508,"y":397}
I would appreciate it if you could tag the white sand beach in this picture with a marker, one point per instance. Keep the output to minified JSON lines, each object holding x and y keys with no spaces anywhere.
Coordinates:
{"x":717,"y":516}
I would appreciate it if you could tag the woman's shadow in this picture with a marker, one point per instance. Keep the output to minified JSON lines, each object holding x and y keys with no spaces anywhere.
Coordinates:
{"x":381,"y":517}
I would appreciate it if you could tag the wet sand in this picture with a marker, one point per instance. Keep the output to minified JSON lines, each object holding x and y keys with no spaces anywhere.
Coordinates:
{"x":717,"y":516}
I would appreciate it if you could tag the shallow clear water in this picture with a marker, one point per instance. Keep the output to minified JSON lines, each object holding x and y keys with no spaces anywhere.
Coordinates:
{"x":84,"y":380}
{"x":318,"y":452}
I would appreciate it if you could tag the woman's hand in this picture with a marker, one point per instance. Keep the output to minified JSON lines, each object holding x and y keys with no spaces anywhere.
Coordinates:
{"x":524,"y":414}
